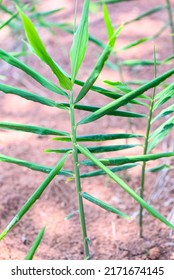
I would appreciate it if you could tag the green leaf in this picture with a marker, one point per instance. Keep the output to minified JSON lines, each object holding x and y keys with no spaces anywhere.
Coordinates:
{"x":110,"y":1}
{"x":35,"y":245}
{"x":80,"y":42}
{"x":8,"y":20}
{"x":5,"y":9}
{"x":33,"y":166}
{"x":100,"y":137}
{"x":168,"y":59}
{"x":36,"y":195}
{"x":124,"y":88}
{"x":124,"y":186}
{"x":41,"y":51}
{"x":110,"y":29}
{"x":104,"y":205}
{"x":159,"y":168}
{"x":126,"y":98}
{"x":101,"y":172}
{"x":98,"y":66}
{"x":164,"y":96}
{"x":119,"y":86}
{"x":30,"y":96}
{"x":72,"y":214}
{"x":112,"y":113}
{"x":169,"y":110}
{"x":137,"y":62}
{"x":137,"y":82}
{"x":32,"y":73}
{"x":108,"y":93}
{"x":123,"y":114}
{"x":96,"y":149}
{"x":135,"y":43}
{"x":32,"y":129}
{"x":160,"y":133}
{"x":45,"y":14}
{"x":99,"y":89}
{"x":129,"y":159}
{"x":147,"y":13}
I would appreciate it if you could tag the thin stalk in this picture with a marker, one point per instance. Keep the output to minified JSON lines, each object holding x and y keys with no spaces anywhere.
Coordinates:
{"x":145,"y":152}
{"x":77,"y":178}
{"x":169,"y":7}
{"x":171,"y":20}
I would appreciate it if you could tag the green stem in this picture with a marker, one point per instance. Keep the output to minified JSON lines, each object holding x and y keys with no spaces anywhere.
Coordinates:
{"x":145,"y":153}
{"x":77,"y":178}
{"x":169,"y":7}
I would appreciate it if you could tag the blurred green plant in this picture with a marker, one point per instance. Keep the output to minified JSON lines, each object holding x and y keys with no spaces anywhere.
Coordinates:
{"x":35,"y":245}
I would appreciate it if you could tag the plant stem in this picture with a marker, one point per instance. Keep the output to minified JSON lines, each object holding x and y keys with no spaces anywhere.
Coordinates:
{"x":145,"y":152}
{"x":144,"y":169}
{"x":77,"y":178}
{"x":169,"y":7}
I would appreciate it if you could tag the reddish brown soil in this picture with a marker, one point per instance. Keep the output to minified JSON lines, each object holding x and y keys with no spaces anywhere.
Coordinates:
{"x":111,"y":237}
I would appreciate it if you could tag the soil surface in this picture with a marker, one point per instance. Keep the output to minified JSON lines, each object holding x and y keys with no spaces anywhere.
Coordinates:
{"x":111,"y":237}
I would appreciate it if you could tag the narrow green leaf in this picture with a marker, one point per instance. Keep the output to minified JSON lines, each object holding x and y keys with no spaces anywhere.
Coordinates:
{"x":80,"y":42}
{"x":45,"y":14}
{"x":124,"y":88}
{"x":41,"y":51}
{"x":137,"y":82}
{"x":160,"y":133}
{"x":33,"y":166}
{"x":99,"y":90}
{"x":110,"y":1}
{"x":147,"y":13}
{"x":159,"y":168}
{"x":135,"y":43}
{"x":129,"y":159}
{"x":161,"y":30}
{"x":20,"y":53}
{"x":36,"y":195}
{"x":30,"y":96}
{"x":110,"y":29}
{"x":35,"y":245}
{"x":124,"y":114}
{"x":98,"y":66}
{"x":118,"y":85}
{"x":164,"y":96}
{"x":126,"y":98}
{"x":102,"y":172}
{"x":72,"y":214}
{"x":169,"y":110}
{"x":96,"y":149}
{"x":124,"y":186}
{"x":32,"y":73}
{"x":169,"y":58}
{"x":137,"y":62}
{"x":104,"y":205}
{"x":100,"y":137}
{"x":8,"y":20}
{"x":5,"y":9}
{"x":108,"y":93}
{"x":32,"y":129}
